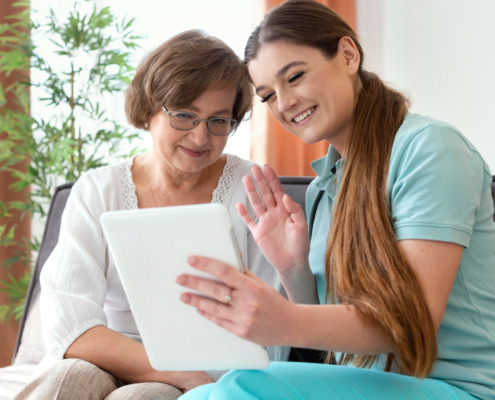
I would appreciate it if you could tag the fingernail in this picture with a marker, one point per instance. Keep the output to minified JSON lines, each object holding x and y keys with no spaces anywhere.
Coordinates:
{"x":185,"y":297}
{"x":192,"y":261}
{"x":181,"y":279}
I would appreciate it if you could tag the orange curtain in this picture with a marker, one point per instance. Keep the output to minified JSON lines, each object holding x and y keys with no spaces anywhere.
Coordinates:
{"x":8,"y":330}
{"x":270,"y":142}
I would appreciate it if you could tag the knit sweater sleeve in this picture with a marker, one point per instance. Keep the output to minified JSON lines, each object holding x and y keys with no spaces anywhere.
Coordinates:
{"x":73,"y":280}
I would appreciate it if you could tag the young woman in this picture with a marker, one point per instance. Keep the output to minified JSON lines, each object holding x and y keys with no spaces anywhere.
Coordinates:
{"x":401,"y":256}
{"x":190,"y":93}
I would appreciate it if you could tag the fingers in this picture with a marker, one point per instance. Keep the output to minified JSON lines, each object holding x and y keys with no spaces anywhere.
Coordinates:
{"x":215,"y":298}
{"x":228,"y":275}
{"x":208,"y":287}
{"x":294,"y":209}
{"x":220,"y":314}
{"x":270,"y":190}
{"x":216,"y":311}
{"x":245,"y":216}
{"x":270,"y":178}
{"x":264,"y":187}
{"x":253,"y":196}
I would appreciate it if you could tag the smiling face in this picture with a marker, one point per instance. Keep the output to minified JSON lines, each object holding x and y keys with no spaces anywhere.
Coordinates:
{"x":189,"y":152}
{"x":311,"y":95}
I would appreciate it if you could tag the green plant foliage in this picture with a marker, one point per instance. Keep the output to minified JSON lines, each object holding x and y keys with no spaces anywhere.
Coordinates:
{"x":89,"y":60}
{"x":16,"y":294}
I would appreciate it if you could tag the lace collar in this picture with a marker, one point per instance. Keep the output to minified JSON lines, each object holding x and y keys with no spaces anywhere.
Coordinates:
{"x":221,"y":194}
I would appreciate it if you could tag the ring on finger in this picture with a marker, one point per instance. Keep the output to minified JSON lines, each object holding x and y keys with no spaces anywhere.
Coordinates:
{"x":227,"y":299}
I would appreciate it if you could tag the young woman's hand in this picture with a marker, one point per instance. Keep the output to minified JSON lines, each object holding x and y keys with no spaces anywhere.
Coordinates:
{"x":240,"y":303}
{"x":280,"y":229}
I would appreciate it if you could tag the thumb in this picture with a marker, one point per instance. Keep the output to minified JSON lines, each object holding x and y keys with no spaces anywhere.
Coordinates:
{"x":294,"y":209}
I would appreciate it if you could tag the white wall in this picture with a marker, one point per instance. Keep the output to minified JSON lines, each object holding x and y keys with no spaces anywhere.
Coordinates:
{"x":441,"y":53}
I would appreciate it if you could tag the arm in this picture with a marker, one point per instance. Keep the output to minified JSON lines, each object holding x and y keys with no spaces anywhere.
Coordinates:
{"x":281,"y":232}
{"x":263,"y":316}
{"x":127,"y":360}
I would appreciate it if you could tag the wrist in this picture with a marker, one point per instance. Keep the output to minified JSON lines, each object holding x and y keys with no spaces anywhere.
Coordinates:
{"x":293,"y":274}
{"x":299,"y":283}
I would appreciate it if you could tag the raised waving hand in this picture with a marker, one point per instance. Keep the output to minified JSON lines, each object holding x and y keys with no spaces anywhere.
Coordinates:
{"x":280,"y":230}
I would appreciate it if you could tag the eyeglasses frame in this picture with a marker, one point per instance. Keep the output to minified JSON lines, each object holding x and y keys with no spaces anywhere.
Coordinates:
{"x":198,"y":120}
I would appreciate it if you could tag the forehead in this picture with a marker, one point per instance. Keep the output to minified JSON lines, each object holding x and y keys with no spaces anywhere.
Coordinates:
{"x":273,"y":57}
{"x":215,"y":100}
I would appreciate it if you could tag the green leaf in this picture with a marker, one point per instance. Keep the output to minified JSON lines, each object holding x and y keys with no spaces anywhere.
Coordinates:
{"x":16,"y":290}
{"x":90,"y":59}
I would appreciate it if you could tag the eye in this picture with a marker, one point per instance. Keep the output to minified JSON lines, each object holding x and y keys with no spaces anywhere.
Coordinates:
{"x":220,"y":121}
{"x":185,"y":116}
{"x":295,"y":77}
{"x":267,"y":97}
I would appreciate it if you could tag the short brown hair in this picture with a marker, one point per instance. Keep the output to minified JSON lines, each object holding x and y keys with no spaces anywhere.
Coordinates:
{"x":179,"y":71}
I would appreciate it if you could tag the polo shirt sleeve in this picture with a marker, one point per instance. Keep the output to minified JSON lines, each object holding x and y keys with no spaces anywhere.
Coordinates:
{"x":435,"y":184}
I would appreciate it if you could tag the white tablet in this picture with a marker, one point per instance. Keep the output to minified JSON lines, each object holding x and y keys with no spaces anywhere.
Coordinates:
{"x":150,"y":248}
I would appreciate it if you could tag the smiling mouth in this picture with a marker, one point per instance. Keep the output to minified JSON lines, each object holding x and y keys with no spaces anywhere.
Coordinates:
{"x":193,"y":153}
{"x":304,"y":115}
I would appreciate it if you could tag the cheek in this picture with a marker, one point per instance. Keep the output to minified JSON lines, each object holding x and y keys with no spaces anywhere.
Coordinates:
{"x":272,"y":106}
{"x":219,"y":142}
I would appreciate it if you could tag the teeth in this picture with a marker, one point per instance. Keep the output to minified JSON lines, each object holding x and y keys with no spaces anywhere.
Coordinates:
{"x":299,"y":118}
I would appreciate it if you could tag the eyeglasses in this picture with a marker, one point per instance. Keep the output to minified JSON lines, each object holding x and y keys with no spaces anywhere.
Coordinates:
{"x":184,"y":121}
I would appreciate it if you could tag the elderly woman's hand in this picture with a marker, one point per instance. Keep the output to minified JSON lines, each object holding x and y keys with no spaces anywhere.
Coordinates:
{"x":187,"y":380}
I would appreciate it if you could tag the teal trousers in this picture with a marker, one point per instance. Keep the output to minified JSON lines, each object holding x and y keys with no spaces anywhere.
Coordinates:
{"x":293,"y":380}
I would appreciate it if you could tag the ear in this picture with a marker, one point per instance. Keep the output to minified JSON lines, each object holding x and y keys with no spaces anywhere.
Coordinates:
{"x":350,"y":53}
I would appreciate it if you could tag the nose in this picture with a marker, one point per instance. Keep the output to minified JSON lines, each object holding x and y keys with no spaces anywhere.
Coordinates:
{"x":199,"y":134}
{"x":285,"y":101}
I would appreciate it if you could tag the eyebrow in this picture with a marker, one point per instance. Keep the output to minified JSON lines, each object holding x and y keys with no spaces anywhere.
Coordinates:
{"x":282,"y":71}
{"x":217,"y":112}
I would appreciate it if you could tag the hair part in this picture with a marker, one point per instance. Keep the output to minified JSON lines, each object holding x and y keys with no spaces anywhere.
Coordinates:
{"x":364,"y":264}
{"x":316,"y":27}
{"x":181,"y":69}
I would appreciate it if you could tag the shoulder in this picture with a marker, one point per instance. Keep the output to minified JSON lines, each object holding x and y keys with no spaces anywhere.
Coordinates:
{"x":235,"y":168}
{"x":238,"y":164}
{"x":422,"y":141}
{"x":101,"y":183}
{"x":426,"y":134}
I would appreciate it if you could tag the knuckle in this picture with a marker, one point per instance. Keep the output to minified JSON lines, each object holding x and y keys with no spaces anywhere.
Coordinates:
{"x":216,"y":308}
{"x":217,"y":291}
{"x":243,"y":332}
{"x":226,"y":270}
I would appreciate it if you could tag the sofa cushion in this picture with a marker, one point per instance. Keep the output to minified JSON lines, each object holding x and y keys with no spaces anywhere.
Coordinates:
{"x":13,"y":378}
{"x":31,"y":348}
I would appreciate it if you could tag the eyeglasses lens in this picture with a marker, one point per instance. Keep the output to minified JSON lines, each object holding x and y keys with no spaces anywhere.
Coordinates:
{"x":216,"y":126}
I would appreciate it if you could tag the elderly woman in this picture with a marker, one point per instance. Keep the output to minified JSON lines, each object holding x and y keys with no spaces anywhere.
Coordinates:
{"x":191,"y":93}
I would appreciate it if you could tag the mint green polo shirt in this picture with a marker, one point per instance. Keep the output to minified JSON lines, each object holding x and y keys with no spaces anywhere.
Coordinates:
{"x":438,"y":189}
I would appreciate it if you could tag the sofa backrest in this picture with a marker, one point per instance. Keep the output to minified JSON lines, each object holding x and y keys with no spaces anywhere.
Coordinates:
{"x":493,"y":194}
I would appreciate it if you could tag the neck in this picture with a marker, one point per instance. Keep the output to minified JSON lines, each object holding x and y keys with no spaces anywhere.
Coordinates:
{"x":173,"y":187}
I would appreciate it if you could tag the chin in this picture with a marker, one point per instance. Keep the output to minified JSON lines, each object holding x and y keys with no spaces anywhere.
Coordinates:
{"x":308,"y":137}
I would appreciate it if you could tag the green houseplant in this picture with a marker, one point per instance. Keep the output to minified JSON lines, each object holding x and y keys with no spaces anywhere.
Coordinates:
{"x":89,"y":61}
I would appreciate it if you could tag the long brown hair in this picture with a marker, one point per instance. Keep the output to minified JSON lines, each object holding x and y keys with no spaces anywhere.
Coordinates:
{"x":364,"y":264}
{"x":180,"y":70}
